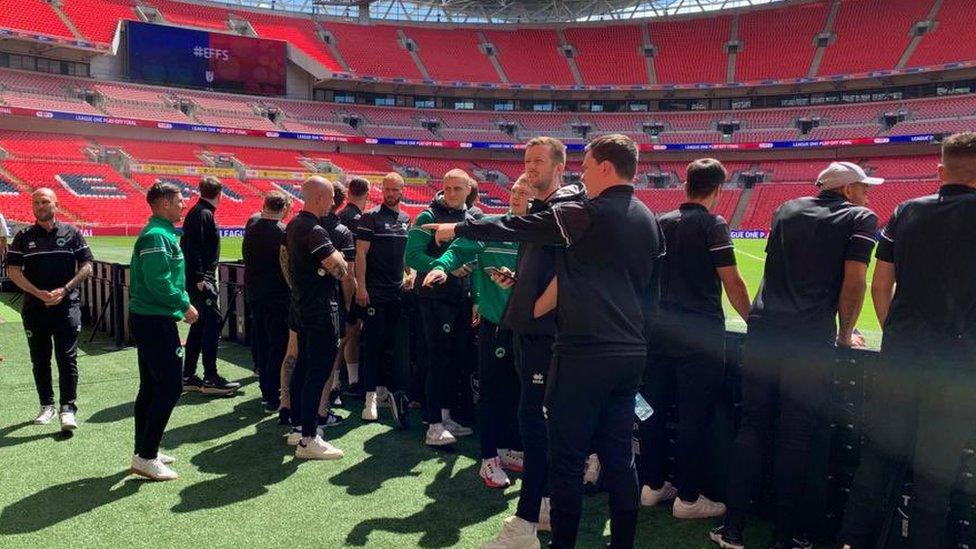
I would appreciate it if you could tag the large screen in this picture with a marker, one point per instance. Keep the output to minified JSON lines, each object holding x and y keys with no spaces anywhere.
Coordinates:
{"x":174,"y":56}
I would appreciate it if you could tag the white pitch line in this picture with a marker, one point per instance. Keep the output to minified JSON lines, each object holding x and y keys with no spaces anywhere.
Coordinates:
{"x":763,"y":259}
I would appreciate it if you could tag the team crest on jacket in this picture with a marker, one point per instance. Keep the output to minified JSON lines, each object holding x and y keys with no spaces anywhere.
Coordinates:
{"x":500,"y":352}
{"x":446,"y":328}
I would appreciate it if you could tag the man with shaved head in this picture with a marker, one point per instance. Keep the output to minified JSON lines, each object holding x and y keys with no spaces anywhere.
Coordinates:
{"x":315,"y":268}
{"x":48,"y":261}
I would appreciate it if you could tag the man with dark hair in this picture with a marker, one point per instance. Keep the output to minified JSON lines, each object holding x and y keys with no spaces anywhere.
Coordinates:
{"x":157,"y":300}
{"x":921,"y":406}
{"x":357,"y":201}
{"x":267,"y":295}
{"x":445,"y":309}
{"x":606,"y":294}
{"x":381,"y":240}
{"x":201,"y":247}
{"x":686,"y":355}
{"x":816,"y":260}
{"x":48,"y":261}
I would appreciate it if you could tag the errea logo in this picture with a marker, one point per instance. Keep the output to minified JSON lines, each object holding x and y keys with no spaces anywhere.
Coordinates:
{"x":538,"y":379}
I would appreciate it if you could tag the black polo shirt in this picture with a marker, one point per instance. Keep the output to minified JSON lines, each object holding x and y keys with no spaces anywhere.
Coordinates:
{"x":200,"y":243}
{"x":698,"y":243}
{"x":308,"y":244}
{"x":49,"y":259}
{"x":932,"y":243}
{"x":608,"y":269}
{"x":350,"y":216}
{"x":811,"y":239}
{"x":386,"y":231}
{"x":340,"y":235}
{"x":262,"y":270}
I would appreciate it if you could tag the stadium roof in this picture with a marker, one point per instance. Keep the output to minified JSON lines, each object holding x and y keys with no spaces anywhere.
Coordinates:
{"x":500,"y":11}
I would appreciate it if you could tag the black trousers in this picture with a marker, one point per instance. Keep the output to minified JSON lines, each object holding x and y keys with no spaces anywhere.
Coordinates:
{"x":318,"y":343}
{"x":380,"y":361}
{"x":919,"y":409}
{"x":54,"y":329}
{"x":160,"y":378}
{"x":693,"y":380}
{"x":593,"y":409}
{"x":269,"y":341}
{"x":204,"y":336}
{"x":447,"y":325}
{"x":533,"y":359}
{"x":498,"y":390}
{"x":785,"y":393}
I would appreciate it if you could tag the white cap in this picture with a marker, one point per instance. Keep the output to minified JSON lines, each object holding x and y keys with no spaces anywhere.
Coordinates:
{"x":841,"y":174}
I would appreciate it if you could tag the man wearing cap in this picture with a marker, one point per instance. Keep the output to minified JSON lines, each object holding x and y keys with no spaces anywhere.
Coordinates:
{"x":921,"y":406}
{"x":816,"y":261}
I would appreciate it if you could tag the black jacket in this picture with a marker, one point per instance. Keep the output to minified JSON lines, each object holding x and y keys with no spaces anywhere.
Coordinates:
{"x":536,"y":267}
{"x":200,"y":243}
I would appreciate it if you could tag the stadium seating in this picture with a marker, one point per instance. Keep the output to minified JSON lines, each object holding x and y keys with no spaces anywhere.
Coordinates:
{"x":778,"y":43}
{"x":373,"y":50}
{"x":664,"y":200}
{"x":34,"y":16}
{"x":609,"y":55}
{"x":531,"y":56}
{"x":914,"y":168}
{"x":98,"y":19}
{"x":952,"y":39}
{"x":690,"y":51}
{"x":191,"y":15}
{"x":878,"y":30}
{"x":155,"y":151}
{"x":299,"y":32}
{"x":43,"y":145}
{"x":766,"y":198}
{"x":441,"y":49}
{"x":261,"y":158}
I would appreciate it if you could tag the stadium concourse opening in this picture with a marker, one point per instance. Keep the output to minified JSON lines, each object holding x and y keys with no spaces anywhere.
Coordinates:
{"x":110,"y":102}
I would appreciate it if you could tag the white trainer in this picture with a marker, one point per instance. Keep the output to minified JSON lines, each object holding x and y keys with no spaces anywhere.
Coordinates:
{"x":295,"y":436}
{"x":702,"y":508}
{"x":437,"y":435}
{"x":382,"y":396}
{"x":545,"y":509}
{"x":68,"y":421}
{"x":163,"y":458}
{"x":517,"y":533}
{"x":512,"y":460}
{"x":45,"y":415}
{"x":153,"y":469}
{"x":591,"y":474}
{"x":317,"y":448}
{"x":369,"y":407}
{"x":493,"y":475}
{"x":650,"y":498}
{"x":457,"y":429}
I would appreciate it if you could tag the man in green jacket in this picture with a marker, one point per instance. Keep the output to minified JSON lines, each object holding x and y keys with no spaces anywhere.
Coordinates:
{"x":498,"y":382}
{"x":157,"y":300}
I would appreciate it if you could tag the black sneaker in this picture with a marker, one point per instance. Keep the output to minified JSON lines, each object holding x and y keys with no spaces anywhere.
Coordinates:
{"x":192,"y":384}
{"x":284,"y":416}
{"x":219,"y":386}
{"x":330,"y":420}
{"x":335,"y":398}
{"x":726,"y":538}
{"x":354,"y":390}
{"x":271,"y":407}
{"x":398,"y":403}
{"x":795,"y":543}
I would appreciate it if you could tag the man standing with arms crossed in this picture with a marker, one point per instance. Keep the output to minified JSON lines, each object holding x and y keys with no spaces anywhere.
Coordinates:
{"x":607,"y":276}
{"x":48,"y":261}
{"x":157,"y":300}
{"x":922,"y":405}
{"x":201,"y":248}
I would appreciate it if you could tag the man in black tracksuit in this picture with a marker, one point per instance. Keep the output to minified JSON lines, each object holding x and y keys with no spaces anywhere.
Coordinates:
{"x":816,"y":259}
{"x":607,"y":288}
{"x":201,"y":248}
{"x":921,"y":407}
{"x":48,"y":261}
{"x":686,"y":358}
{"x":267,"y":295}
{"x":445,"y":310}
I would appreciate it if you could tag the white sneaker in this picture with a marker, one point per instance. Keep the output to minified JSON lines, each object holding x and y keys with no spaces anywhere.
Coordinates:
{"x":369,"y":408}
{"x":295,"y":436}
{"x":591,"y":475}
{"x":68,"y":421}
{"x":545,"y":508}
{"x":382,"y":397}
{"x":700,"y":509}
{"x":153,"y":469}
{"x":493,"y":475}
{"x":512,"y":460}
{"x":45,"y":415}
{"x":317,"y":448}
{"x":437,"y":435}
{"x":457,"y":429}
{"x":517,"y":533}
{"x":163,"y":458}
{"x":650,"y":498}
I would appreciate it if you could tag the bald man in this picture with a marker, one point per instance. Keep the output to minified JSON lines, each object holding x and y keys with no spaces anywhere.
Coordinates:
{"x":315,"y":268}
{"x":48,"y":261}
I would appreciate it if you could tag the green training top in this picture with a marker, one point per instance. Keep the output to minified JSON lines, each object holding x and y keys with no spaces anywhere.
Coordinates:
{"x":490,"y":297}
{"x":156,"y":277}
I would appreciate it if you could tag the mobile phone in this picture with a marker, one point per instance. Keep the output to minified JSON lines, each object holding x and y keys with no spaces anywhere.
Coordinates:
{"x":495,"y":271}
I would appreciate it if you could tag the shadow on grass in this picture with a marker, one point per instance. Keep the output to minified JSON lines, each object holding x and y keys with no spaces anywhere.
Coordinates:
{"x":124,"y":411}
{"x":59,"y":503}
{"x":6,"y":440}
{"x":440,"y":522}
